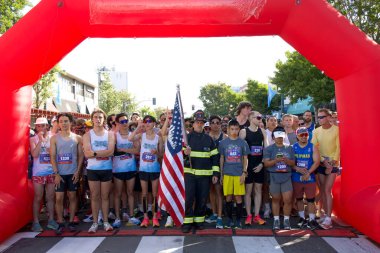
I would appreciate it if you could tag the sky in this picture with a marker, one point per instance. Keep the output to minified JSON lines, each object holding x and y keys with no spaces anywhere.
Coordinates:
{"x":156,"y":66}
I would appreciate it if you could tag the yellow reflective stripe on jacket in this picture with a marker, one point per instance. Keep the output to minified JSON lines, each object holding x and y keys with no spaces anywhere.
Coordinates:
{"x":200,"y":154}
{"x":215,"y":168}
{"x":198,"y":172}
{"x":188,"y":220}
{"x":199,"y":219}
{"x":214,"y":152}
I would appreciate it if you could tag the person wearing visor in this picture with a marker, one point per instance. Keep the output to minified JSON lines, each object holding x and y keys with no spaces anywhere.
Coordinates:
{"x":151,"y":151}
{"x":201,"y":165}
{"x":279,"y":161}
{"x":303,"y":177}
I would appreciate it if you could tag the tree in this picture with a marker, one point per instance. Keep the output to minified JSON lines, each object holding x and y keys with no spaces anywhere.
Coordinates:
{"x":125,"y":102}
{"x":219,"y":99}
{"x":43,"y":88}
{"x":298,"y":78}
{"x":257,"y":94}
{"x":108,"y":97}
{"x":159,"y":110}
{"x":365,"y":14}
{"x":10,"y":13}
{"x":146,"y":110}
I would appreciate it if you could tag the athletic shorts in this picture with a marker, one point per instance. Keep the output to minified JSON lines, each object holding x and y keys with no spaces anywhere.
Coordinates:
{"x":67,"y":184}
{"x":125,"y":175}
{"x":149,"y":176}
{"x":308,"y":188}
{"x":99,"y":175}
{"x":322,"y":170}
{"x":254,"y":177}
{"x":49,"y":179}
{"x":232,"y":186}
{"x":276,"y":188}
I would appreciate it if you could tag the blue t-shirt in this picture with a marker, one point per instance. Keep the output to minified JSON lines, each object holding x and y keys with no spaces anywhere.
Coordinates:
{"x":310,"y":130}
{"x":304,"y":159}
{"x":233,"y":152}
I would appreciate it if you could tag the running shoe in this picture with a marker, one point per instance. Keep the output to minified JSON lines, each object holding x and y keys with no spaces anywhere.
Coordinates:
{"x":312,"y":225}
{"x":156,"y":223}
{"x":107,"y":227}
{"x":36,"y":227}
{"x":88,"y":218}
{"x":76,"y":219}
{"x":276,"y":225}
{"x":169,"y":222}
{"x":125,"y":217}
{"x":287,"y":224}
{"x":302,"y":222}
{"x":237,"y":225}
{"x":219,"y":223}
{"x":248,"y":220}
{"x":229,"y":224}
{"x":134,"y":221}
{"x":60,"y":228}
{"x":116,"y":223}
{"x":186,"y":228}
{"x":145,"y":223}
{"x":52,"y":225}
{"x":258,"y":220}
{"x":93,"y":228}
{"x":212,"y":218}
{"x":72,"y":226}
{"x":326,"y":224}
{"x":267,"y":213}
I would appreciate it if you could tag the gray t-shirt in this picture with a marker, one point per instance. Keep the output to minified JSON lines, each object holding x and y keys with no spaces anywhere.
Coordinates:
{"x":280,"y":172}
{"x":233,"y":152}
{"x":292,"y":138}
{"x":67,"y":154}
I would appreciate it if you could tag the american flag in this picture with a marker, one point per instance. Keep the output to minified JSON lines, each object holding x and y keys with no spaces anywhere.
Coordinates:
{"x":171,"y":192}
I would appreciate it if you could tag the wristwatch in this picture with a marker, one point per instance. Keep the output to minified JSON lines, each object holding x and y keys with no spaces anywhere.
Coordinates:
{"x":95,"y":154}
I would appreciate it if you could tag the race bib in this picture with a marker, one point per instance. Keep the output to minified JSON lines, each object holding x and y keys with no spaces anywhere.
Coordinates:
{"x":44,"y":158}
{"x":256,"y":150}
{"x":302,"y":164}
{"x":101,"y":158}
{"x":233,"y":155}
{"x":65,"y":158}
{"x":148,"y":157}
{"x":125,"y":157}
{"x":281,"y":167}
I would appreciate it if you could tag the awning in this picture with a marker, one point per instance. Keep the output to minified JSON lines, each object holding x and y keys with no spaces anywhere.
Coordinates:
{"x":300,"y":107}
{"x":67,"y":106}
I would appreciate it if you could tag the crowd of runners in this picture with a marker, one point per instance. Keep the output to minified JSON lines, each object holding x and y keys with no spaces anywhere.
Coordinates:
{"x":251,"y":167}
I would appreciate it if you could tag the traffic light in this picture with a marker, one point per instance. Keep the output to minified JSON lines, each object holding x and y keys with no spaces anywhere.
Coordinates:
{"x":154,"y":101}
{"x":193,"y":107}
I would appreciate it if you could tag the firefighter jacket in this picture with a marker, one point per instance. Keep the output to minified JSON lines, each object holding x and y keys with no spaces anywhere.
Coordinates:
{"x":203,"y":156}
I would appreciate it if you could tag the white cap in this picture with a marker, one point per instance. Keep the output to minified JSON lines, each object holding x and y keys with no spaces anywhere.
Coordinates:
{"x":41,"y":121}
{"x":279,"y":134}
{"x":207,"y":124}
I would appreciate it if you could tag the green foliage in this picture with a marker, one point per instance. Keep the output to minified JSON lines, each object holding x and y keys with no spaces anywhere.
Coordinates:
{"x":257,"y":94}
{"x":146,"y":110}
{"x":219,"y":99}
{"x":365,"y":14}
{"x":43,"y":88}
{"x":10,"y":13}
{"x":159,"y":110}
{"x":298,"y":78}
{"x":112,"y":101}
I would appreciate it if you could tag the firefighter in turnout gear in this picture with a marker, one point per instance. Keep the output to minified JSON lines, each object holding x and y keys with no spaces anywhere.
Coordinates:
{"x":201,"y":166}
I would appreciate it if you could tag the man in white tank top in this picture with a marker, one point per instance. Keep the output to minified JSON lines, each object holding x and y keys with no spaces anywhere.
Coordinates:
{"x":99,"y":145}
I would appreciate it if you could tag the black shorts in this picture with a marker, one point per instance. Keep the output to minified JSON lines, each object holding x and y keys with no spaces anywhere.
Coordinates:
{"x":322,"y":170}
{"x":253,"y":177}
{"x":99,"y":175}
{"x":125,"y":175}
{"x":67,"y":184}
{"x":149,"y":176}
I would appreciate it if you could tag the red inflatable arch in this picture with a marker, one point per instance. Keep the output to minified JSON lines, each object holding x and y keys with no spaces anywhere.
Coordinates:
{"x":325,"y":37}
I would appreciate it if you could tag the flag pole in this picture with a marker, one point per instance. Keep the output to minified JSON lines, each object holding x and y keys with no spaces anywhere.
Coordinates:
{"x":182,"y":118}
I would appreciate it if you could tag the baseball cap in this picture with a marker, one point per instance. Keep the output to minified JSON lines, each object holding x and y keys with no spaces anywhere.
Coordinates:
{"x":199,"y":116}
{"x":88,"y":123}
{"x":207,"y":124}
{"x":301,"y":130}
{"x":41,"y":121}
{"x":279,"y":132}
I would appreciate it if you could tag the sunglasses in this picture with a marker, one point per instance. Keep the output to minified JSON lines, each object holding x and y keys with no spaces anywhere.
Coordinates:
{"x":301,"y":124}
{"x":148,"y":121}
{"x":321,"y":117}
{"x":123,"y":122}
{"x":303,"y":135}
{"x":215,"y":122}
{"x":259,"y":117}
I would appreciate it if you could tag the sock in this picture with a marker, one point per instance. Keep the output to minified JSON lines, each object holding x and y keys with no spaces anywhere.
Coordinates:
{"x":229,"y":206}
{"x":239,"y":211}
{"x":276,"y":217}
{"x":286,"y":217}
{"x":312,"y":216}
{"x":302,"y":214}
